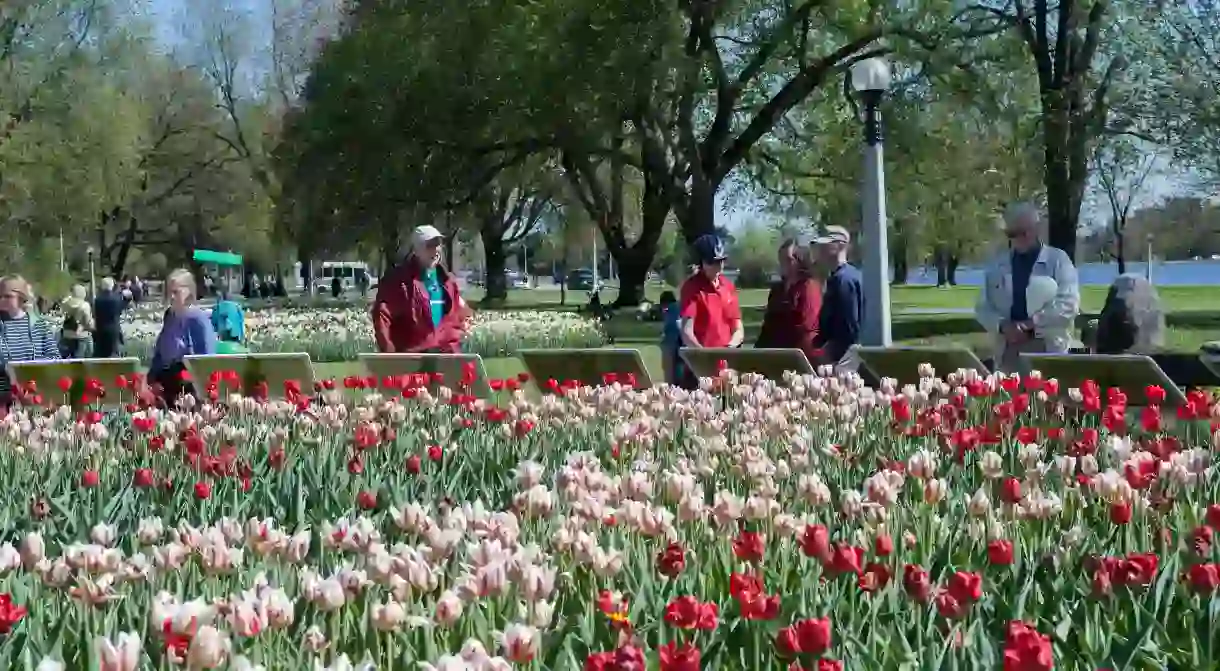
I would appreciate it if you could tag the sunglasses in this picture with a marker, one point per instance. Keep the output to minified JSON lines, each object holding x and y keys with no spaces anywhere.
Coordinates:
{"x":1013,"y":235}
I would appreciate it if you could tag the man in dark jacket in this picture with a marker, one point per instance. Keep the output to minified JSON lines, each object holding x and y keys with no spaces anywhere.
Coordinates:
{"x":418,"y":307}
{"x":108,"y":309}
{"x":842,"y":302}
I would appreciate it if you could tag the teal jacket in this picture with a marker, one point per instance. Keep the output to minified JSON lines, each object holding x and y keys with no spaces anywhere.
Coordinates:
{"x":229,"y":321}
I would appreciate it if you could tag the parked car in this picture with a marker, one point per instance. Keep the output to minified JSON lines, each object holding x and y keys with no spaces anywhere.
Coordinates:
{"x":581,"y":280}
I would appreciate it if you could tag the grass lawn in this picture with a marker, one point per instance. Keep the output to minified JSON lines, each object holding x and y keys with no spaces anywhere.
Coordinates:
{"x":630,"y":333}
{"x":902,"y":298}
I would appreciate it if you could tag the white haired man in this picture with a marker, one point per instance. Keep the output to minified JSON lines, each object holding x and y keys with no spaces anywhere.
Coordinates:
{"x":1030,"y":295}
{"x":418,"y":307}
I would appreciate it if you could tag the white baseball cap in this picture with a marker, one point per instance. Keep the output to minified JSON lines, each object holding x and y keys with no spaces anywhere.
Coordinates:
{"x":831,"y":235}
{"x":426,"y":233}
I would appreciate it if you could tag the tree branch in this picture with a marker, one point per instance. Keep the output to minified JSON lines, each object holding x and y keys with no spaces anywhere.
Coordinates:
{"x":792,"y":93}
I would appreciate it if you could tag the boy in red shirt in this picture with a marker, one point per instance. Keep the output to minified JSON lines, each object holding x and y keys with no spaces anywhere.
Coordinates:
{"x":708,"y":307}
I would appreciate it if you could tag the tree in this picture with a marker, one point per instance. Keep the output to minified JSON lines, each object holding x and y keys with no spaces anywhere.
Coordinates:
{"x":1122,"y":169}
{"x":1180,"y":97}
{"x":508,"y":210}
{"x":949,"y":171}
{"x":255,"y":89}
{"x":1076,"y":49}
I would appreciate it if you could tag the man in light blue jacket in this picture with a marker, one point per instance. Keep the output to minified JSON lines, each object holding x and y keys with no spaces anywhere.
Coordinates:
{"x":1030,"y":295}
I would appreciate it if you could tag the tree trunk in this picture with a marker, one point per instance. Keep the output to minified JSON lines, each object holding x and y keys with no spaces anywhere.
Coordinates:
{"x":953,"y":262}
{"x":633,"y":265}
{"x":390,"y":238}
{"x":496,"y":285}
{"x":898,"y":262}
{"x":941,"y":258}
{"x":124,"y":251}
{"x":1120,"y":251}
{"x":1062,"y":176}
{"x":634,"y":261}
{"x":700,"y":217}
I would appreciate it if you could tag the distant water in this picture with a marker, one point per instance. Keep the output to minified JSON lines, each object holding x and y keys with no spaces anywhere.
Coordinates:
{"x":1168,"y":273}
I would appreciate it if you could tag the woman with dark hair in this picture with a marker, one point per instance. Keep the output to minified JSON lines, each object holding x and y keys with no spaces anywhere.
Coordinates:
{"x":791,"y":319}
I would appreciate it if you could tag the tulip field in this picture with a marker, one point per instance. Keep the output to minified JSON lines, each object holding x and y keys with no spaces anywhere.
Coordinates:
{"x":810,"y":523}
{"x":341,"y":333}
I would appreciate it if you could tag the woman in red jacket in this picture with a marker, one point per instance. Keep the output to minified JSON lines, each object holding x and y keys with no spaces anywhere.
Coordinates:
{"x":791,"y":319}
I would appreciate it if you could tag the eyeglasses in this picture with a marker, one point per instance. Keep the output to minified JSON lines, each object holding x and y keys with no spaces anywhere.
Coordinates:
{"x":1013,"y":235}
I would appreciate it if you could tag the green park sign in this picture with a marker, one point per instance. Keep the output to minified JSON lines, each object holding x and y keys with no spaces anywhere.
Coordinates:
{"x":217,"y":258}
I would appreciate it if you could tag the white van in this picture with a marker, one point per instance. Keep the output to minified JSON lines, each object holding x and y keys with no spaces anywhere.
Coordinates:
{"x":348,"y":273}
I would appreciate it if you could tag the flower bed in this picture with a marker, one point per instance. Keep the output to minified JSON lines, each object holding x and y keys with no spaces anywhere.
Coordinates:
{"x":969,"y":524}
{"x":341,"y":334}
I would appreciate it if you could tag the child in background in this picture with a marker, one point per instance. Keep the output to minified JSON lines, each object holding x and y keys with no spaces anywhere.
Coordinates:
{"x":229,"y":321}
{"x":671,"y":336}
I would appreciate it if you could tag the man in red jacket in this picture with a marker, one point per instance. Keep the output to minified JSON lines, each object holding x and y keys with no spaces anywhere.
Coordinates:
{"x":418,"y":307}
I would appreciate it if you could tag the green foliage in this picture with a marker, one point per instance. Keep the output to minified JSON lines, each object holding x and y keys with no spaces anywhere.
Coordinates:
{"x":753,"y":253}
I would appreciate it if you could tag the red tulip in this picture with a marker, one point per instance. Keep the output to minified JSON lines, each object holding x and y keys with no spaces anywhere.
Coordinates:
{"x":749,"y":546}
{"x":435,"y":453}
{"x":1120,"y":513}
{"x":89,"y":479}
{"x":1201,"y":540}
{"x":676,"y":658}
{"x":1155,"y":394}
{"x":1027,"y":650}
{"x":1010,"y":490}
{"x":1203,"y":578}
{"x":966,"y":587}
{"x":9,"y":614}
{"x":813,"y":635}
{"x":203,"y":490}
{"x":950,"y":607}
{"x":142,"y":478}
{"x":845,"y":559}
{"x":883,"y":546}
{"x":916,"y":582}
{"x":999,"y":553}
{"x":671,"y":560}
{"x":815,"y":542}
{"x":687,"y":612}
{"x":787,"y":642}
{"x":414,"y":464}
{"x":366,"y":500}
{"x":1213,"y":516}
{"x":874,"y":578}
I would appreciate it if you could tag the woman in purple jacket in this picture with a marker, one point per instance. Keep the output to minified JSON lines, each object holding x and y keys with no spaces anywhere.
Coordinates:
{"x":186,"y":330}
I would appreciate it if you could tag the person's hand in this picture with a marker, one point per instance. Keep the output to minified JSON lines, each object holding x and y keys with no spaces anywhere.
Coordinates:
{"x":1013,"y":334}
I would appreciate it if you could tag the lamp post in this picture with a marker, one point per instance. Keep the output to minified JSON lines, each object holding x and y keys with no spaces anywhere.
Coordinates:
{"x":92,"y":283}
{"x":870,"y":78}
{"x":1148,"y":261}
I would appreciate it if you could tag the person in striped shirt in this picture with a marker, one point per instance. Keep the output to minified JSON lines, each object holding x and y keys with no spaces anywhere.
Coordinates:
{"x":22,"y":336}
